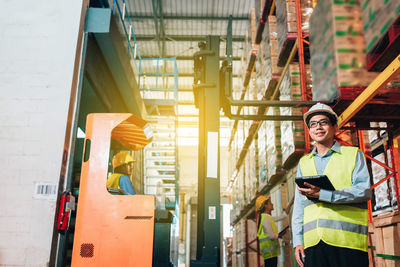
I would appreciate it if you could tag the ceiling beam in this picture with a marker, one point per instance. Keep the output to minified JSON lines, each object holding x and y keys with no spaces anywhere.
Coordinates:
{"x":162,"y":31}
{"x":155,"y":18}
{"x":186,"y":57}
{"x":188,"y":38}
{"x":184,"y":75}
{"x":141,"y":17}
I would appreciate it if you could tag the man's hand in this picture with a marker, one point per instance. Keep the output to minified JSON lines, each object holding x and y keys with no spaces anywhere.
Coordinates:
{"x":312,"y":191}
{"x":300,"y":255}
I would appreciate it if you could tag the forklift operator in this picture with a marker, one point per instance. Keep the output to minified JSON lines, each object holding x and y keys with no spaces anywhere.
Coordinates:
{"x":119,"y":180}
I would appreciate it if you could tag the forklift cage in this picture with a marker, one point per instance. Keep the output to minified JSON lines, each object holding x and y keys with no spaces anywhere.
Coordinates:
{"x":112,"y":230}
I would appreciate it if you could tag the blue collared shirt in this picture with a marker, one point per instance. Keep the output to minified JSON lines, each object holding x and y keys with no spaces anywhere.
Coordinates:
{"x":358,"y":193}
{"x":126,"y":185}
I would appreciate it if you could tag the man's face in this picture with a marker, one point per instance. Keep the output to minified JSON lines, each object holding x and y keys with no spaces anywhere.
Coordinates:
{"x":269,"y":206}
{"x":129,"y":168}
{"x":321,"y":129}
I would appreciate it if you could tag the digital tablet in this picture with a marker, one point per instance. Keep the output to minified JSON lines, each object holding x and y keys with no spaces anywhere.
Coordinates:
{"x":322,"y":181}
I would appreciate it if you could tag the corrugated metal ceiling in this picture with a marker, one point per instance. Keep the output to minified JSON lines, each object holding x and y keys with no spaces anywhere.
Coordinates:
{"x":182,"y":24}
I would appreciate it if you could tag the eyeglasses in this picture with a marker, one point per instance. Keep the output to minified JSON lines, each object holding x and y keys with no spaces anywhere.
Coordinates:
{"x":322,"y":122}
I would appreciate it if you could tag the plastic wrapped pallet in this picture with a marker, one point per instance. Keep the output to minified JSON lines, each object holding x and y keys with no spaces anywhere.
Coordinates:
{"x":270,"y":148}
{"x":278,"y":137}
{"x":273,"y":45}
{"x":235,"y":200}
{"x":287,"y":141}
{"x":256,"y":163}
{"x":377,"y":16}
{"x":337,"y":47}
{"x":261,"y":158}
{"x":295,"y":94}
{"x":273,"y":140}
{"x":385,"y":195}
{"x":263,"y":66}
{"x":286,"y":18}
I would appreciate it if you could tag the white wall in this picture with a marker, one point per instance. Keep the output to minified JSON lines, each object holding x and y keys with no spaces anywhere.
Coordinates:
{"x":38,"y":41}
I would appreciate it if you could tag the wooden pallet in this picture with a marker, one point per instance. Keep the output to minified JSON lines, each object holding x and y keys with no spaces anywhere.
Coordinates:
{"x":387,"y":48}
{"x":384,"y":240}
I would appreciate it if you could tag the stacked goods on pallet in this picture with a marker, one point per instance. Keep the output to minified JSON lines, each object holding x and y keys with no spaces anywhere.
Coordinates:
{"x":242,"y":235}
{"x":261,"y":157}
{"x":237,"y":257}
{"x":250,"y":175}
{"x":286,"y":20}
{"x":242,"y":188}
{"x":270,"y":146}
{"x":252,"y":232}
{"x":235,"y":199}
{"x":385,"y":240}
{"x":349,"y":137}
{"x":287,"y":249}
{"x":246,"y":176}
{"x":286,"y":126}
{"x":385,"y":193}
{"x":263,"y":67}
{"x":273,"y":44}
{"x":337,"y":47}
{"x":278,"y":136}
{"x":295,"y":94}
{"x":256,"y":163}
{"x":274,"y":149}
{"x":252,"y":243}
{"x":377,"y":17}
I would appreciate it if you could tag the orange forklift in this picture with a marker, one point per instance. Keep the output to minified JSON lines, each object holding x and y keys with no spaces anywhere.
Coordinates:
{"x":112,"y":230}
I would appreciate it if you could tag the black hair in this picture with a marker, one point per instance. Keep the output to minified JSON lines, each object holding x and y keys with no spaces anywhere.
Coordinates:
{"x":121,"y":169}
{"x":331,"y":117}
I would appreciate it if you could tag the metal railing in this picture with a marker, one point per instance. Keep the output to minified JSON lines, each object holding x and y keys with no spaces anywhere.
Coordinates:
{"x":121,"y":7}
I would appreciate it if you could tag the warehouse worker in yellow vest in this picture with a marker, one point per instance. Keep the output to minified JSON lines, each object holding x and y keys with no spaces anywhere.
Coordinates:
{"x":267,"y":232}
{"x":122,"y":165}
{"x":330,"y":227}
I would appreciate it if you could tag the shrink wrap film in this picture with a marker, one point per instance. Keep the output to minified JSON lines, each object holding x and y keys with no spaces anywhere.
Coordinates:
{"x":385,"y":194}
{"x":271,"y":148}
{"x":262,"y":157}
{"x":286,"y":128}
{"x":377,"y":16}
{"x":337,"y":47}
{"x":286,"y":18}
{"x":278,"y":136}
{"x":273,"y":45}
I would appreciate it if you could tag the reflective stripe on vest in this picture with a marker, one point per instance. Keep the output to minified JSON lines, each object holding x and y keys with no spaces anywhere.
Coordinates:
{"x":113,"y":180}
{"x":269,"y":247}
{"x":336,"y":224}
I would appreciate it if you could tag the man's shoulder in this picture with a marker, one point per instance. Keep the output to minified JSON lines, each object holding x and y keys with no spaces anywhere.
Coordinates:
{"x":349,"y":149}
{"x":123,"y":176}
{"x":306,"y":156}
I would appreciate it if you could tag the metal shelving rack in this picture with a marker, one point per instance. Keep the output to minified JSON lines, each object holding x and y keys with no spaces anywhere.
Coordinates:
{"x":272,"y":91}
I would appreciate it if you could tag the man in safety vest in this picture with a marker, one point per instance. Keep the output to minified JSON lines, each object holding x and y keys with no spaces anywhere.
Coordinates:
{"x":267,"y":231}
{"x":122,"y":165}
{"x":330,"y":228}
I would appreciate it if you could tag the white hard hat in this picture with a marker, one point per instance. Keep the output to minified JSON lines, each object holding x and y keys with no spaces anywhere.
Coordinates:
{"x":323,"y":109}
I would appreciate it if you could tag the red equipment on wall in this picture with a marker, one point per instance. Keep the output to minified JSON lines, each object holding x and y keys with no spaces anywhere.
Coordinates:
{"x":67,"y":204}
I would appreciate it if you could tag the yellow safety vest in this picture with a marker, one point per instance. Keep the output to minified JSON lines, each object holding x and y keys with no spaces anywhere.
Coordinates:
{"x":269,"y":247}
{"x":340,"y":225}
{"x":113,"y":180}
